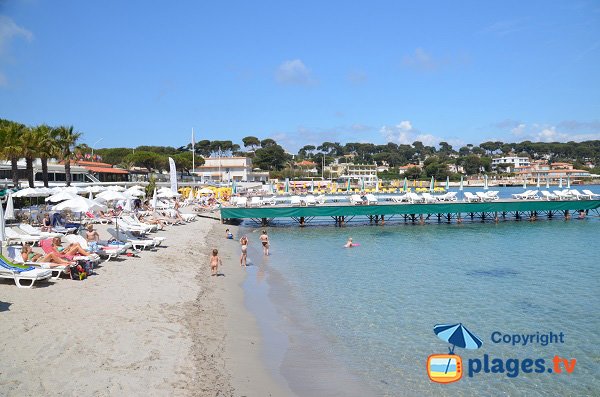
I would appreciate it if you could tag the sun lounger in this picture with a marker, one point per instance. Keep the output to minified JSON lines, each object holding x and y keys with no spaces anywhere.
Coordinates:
{"x":579,"y":196}
{"x":269,"y":200}
{"x":34,"y":231}
{"x":255,"y":201}
{"x":428,"y":198}
{"x":562,"y":195}
{"x":22,"y":273}
{"x":104,"y":250}
{"x":546,"y":195}
{"x":414,"y":198}
{"x":355,"y":199}
{"x":310,"y":200}
{"x":399,"y":199}
{"x":295,"y":200}
{"x":241,"y":202}
{"x":493,"y":194}
{"x":592,"y":195}
{"x":20,"y":238}
{"x":131,"y":220}
{"x":14,"y":255}
{"x":371,"y":199}
{"x":483,"y":196}
{"x":137,"y":243}
{"x":471,"y":198}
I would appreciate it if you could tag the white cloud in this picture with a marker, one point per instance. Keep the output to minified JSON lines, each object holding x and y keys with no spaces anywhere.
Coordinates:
{"x":420,"y":60}
{"x":10,"y":30}
{"x":563,"y":132}
{"x":294,"y":72}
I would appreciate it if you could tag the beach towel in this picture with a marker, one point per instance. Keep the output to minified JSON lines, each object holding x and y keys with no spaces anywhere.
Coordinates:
{"x":6,"y":264}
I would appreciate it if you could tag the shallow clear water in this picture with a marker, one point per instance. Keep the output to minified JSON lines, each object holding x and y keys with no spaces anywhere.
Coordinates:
{"x":372,"y":308}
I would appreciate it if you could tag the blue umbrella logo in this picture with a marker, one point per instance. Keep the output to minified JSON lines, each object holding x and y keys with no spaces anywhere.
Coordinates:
{"x":457,"y":335}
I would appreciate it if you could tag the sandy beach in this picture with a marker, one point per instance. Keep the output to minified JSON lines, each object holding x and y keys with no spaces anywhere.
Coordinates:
{"x":155,"y":325}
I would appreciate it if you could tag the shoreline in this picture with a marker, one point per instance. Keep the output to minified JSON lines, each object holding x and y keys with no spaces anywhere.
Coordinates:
{"x":159,"y":322}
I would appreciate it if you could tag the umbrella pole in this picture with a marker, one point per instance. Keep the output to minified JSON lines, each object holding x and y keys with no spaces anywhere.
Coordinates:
{"x":448,"y":365}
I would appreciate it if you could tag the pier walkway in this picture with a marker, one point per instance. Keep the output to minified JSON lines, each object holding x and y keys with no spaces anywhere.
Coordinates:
{"x":384,"y":211}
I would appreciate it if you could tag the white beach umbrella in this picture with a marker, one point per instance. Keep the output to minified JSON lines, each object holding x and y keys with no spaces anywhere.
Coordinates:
{"x":80,"y":204}
{"x":154,"y":199}
{"x":10,"y":209}
{"x":28,"y":192}
{"x":127,"y":206}
{"x":91,"y":196}
{"x":72,"y":189}
{"x":110,"y":195}
{"x":56,"y":189}
{"x":134,"y":192}
{"x":116,"y":188}
{"x":168,"y":194}
{"x":61,"y":196}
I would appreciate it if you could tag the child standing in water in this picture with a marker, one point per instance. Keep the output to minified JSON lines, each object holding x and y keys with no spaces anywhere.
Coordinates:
{"x":215,"y":261}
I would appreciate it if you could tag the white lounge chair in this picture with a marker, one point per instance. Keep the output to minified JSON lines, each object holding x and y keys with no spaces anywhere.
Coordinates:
{"x":34,"y":231}
{"x":355,"y":199}
{"x":132,"y":220}
{"x":428,"y":198}
{"x":136,"y":243}
{"x":579,"y":196}
{"x":20,"y":238}
{"x":414,"y":198}
{"x":371,"y":199}
{"x":562,"y":195}
{"x":14,"y":255}
{"x":493,"y":194}
{"x":269,"y":200}
{"x":449,"y":196}
{"x":104,"y":250}
{"x":255,"y":201}
{"x":483,"y":196}
{"x":471,"y":198}
{"x":310,"y":200}
{"x":320,"y":199}
{"x":399,"y":199}
{"x":22,"y":274}
{"x":295,"y":200}
{"x":592,"y":195}
{"x":548,"y":196}
{"x":521,"y":196}
{"x":241,"y":202}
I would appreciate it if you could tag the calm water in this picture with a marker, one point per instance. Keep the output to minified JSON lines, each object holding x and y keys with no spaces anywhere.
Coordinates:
{"x":368,"y":312}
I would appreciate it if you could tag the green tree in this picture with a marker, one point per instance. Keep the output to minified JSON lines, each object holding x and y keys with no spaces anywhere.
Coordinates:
{"x":66,"y":140}
{"x":11,"y":148}
{"x":46,"y":148}
{"x":271,"y":158}
{"x":412,"y":173}
{"x":472,"y":164}
{"x":251,"y":142}
{"x":267,"y":143}
{"x":149,"y":160}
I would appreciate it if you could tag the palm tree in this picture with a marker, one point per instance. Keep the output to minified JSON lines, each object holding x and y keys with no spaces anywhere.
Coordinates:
{"x":29,"y":151}
{"x":11,"y":148}
{"x":46,"y":148}
{"x":66,"y":141}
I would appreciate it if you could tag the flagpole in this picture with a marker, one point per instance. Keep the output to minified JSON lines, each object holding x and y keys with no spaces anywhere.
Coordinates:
{"x":193,"y":157}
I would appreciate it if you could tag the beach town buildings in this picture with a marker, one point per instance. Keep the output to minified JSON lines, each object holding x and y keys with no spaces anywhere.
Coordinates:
{"x":403,"y":168}
{"x":229,"y":169}
{"x":354,"y":172}
{"x":509,"y":163}
{"x":553,"y":172}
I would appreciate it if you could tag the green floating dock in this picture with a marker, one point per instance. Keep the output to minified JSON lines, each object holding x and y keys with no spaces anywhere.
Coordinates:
{"x":449,"y":210}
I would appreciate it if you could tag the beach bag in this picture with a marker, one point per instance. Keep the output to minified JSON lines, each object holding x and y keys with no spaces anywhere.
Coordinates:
{"x":88,"y":267}
{"x":77,"y":272}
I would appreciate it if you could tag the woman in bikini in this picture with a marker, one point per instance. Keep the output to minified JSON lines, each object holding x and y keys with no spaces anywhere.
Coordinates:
{"x":244,"y":243}
{"x":264,"y":239}
{"x":69,"y":252}
{"x":29,"y":256}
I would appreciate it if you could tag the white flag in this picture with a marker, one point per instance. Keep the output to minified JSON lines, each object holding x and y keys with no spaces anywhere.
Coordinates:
{"x":173,"y":174}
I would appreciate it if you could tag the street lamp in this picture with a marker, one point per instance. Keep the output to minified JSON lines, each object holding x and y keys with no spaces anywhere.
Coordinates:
{"x":94,"y":145}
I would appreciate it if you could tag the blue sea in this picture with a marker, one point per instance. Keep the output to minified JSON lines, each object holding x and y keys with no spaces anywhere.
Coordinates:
{"x":359,"y":321}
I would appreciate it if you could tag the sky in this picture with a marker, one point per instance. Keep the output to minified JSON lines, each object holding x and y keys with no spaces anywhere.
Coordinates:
{"x":130,"y":73}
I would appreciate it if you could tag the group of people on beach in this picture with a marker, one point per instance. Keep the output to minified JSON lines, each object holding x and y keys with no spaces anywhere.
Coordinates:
{"x":215,"y":260}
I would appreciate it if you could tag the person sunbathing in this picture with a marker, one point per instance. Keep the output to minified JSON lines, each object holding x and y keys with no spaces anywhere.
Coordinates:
{"x":151,"y":221}
{"x":29,"y":256}
{"x":70,"y":251}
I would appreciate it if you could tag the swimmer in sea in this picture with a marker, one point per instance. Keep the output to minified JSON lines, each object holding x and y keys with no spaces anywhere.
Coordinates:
{"x":348,"y":243}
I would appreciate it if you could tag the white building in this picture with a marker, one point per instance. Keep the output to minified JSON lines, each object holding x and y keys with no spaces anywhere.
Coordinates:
{"x":515,"y":162}
{"x":227,"y":169}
